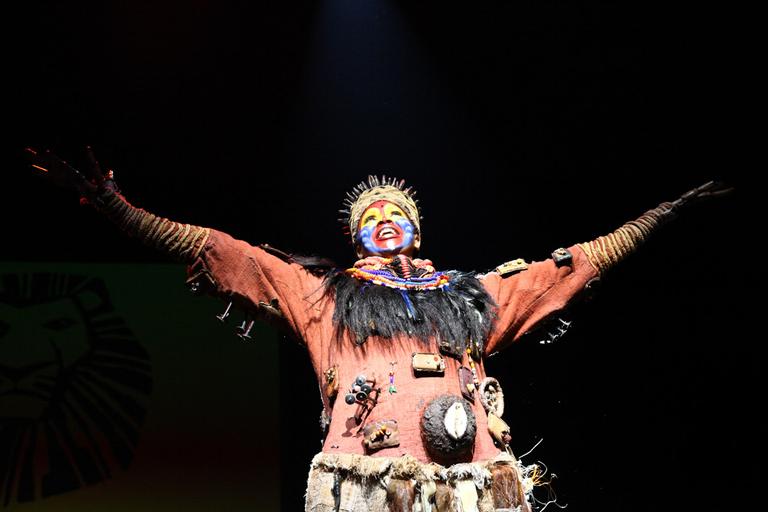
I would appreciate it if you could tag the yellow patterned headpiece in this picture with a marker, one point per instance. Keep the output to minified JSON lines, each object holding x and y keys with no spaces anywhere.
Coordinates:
{"x":377,"y":189}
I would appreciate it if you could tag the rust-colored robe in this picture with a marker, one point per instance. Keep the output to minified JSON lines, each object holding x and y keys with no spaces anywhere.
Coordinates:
{"x":253,"y":277}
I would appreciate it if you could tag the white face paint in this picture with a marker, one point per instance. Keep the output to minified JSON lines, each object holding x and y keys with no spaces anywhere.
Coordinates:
{"x":455,"y":421}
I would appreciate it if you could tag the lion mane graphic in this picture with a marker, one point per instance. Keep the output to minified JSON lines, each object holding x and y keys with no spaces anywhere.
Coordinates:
{"x":74,"y":386}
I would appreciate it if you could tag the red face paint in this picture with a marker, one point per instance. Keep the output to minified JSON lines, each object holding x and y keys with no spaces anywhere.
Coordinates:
{"x":384,"y":229}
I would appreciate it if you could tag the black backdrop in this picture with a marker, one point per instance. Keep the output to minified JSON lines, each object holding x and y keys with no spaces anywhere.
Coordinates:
{"x":525,"y":126}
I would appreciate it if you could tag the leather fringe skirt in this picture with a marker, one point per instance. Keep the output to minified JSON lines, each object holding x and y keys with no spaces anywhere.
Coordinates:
{"x":357,"y":483}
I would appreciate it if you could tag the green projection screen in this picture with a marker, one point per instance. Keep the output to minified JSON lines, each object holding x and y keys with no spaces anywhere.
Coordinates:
{"x":121,"y":391}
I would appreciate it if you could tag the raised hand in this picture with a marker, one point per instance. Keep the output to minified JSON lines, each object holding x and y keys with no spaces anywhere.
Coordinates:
{"x":708,"y":190}
{"x":66,"y":176}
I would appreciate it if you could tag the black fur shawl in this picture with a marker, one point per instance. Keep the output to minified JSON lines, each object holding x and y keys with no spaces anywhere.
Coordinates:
{"x":455,"y":315}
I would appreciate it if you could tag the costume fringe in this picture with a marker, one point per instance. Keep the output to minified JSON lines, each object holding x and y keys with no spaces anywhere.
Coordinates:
{"x":405,"y":484}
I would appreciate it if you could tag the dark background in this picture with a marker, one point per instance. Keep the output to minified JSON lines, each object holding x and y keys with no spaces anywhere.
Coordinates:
{"x":525,"y":126}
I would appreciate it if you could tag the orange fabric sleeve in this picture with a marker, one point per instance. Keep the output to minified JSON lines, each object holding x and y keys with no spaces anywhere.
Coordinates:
{"x":533,"y":295}
{"x":527,"y":298}
{"x":259,"y":282}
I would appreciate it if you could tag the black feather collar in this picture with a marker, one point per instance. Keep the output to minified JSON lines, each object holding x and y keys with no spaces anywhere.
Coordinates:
{"x":458,"y":316}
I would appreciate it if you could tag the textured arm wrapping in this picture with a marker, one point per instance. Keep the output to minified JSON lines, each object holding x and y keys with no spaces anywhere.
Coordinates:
{"x":606,"y":251}
{"x":182,"y":242}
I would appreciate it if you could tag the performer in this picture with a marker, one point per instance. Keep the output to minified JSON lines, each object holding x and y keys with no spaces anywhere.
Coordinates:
{"x":411,"y":420}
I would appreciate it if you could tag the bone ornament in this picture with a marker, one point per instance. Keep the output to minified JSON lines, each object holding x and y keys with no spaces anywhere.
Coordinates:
{"x":455,"y":421}
{"x":492,"y":396}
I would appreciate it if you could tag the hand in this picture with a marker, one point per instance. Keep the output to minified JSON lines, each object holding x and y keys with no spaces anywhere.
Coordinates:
{"x":66,"y":176}
{"x":708,"y":190}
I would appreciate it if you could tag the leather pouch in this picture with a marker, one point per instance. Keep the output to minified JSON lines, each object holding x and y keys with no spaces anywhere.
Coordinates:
{"x":427,"y":363}
{"x":332,"y":382}
{"x":381,"y":434}
{"x":499,"y":430}
{"x":467,"y":383}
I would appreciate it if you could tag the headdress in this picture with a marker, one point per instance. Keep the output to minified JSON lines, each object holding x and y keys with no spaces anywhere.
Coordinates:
{"x":377,"y":189}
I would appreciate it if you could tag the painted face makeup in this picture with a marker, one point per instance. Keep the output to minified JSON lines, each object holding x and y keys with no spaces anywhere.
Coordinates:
{"x":385,"y":230}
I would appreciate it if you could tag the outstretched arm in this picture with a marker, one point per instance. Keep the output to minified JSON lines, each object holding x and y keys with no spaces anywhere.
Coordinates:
{"x":256,"y":279}
{"x":605,"y":251}
{"x":530,"y":294}
{"x":182,"y":242}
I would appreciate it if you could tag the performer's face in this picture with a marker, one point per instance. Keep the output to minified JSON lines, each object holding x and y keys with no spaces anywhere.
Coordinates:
{"x":385,"y":230}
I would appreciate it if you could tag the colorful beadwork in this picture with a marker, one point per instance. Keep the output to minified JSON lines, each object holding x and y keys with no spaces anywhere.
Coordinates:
{"x":378,"y":271}
{"x":385,"y":215}
{"x":387,"y":278}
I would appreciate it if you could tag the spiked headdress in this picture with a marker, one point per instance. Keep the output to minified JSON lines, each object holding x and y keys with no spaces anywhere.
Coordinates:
{"x":377,"y":189}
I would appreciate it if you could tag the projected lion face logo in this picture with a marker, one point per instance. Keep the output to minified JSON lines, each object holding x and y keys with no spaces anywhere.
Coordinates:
{"x":74,"y":385}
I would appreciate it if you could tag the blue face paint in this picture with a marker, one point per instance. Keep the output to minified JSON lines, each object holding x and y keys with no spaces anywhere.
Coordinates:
{"x":365,"y":237}
{"x":380,"y":217}
{"x":407,"y":228}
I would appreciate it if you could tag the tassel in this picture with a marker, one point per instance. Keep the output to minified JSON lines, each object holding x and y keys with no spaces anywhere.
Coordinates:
{"x":444,"y":498}
{"x":336,"y":491}
{"x":505,"y":487}
{"x":466,"y":495}
{"x":426,"y":494}
{"x":401,"y":495}
{"x":408,"y":304}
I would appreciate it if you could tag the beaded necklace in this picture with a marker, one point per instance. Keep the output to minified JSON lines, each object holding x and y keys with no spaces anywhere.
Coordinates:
{"x":401,"y":273}
{"x":454,"y":307}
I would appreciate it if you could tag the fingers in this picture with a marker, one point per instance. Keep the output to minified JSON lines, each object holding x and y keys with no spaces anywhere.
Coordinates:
{"x":31,"y":155}
{"x":709,"y":190}
{"x":93,"y":169}
{"x":721,"y":191}
{"x":35,"y":159}
{"x":44,"y":161}
{"x":56,"y":169}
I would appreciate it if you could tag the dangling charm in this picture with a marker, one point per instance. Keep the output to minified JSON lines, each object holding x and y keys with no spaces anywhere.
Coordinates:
{"x":466,"y":383}
{"x":392,"y":388}
{"x":472,"y":368}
